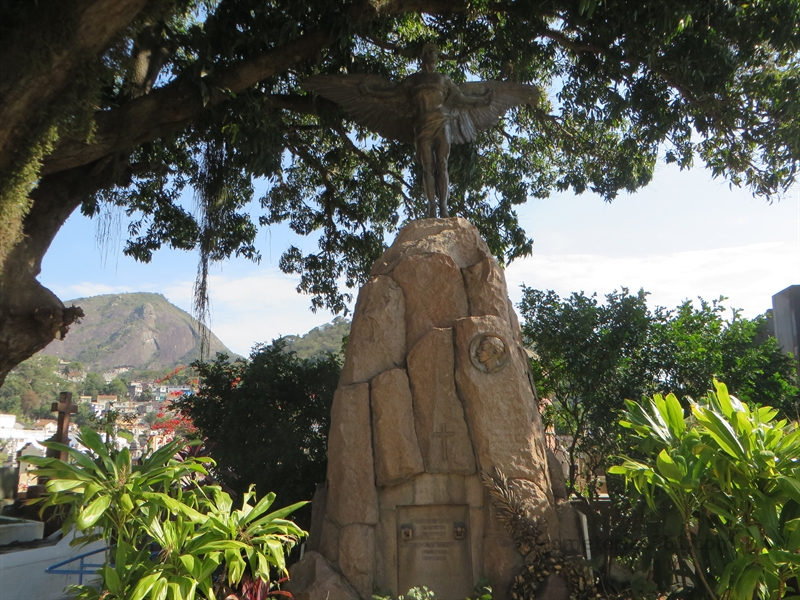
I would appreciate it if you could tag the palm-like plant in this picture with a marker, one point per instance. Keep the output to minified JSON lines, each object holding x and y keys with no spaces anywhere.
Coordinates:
{"x":732,"y":473}
{"x":166,"y":542}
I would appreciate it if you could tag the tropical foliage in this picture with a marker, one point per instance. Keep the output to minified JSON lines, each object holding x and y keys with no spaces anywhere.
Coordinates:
{"x":591,"y":355}
{"x":265,"y":420}
{"x":730,"y":475}
{"x":168,"y":537}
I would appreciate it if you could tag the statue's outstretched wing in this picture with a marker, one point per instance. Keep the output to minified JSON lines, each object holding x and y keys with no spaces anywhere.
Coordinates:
{"x":383,"y":108}
{"x":469,"y":119}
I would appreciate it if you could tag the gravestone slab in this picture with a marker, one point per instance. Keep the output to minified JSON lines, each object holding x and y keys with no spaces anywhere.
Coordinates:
{"x":433,"y":549}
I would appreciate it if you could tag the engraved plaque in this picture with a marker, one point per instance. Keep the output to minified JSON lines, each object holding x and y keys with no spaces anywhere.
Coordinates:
{"x":433,"y":550}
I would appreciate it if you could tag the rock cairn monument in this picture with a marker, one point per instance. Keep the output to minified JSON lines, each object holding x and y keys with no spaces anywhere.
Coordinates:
{"x":435,"y":390}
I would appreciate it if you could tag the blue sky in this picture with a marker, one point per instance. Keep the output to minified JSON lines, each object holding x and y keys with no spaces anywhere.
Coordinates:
{"x":685,"y":235}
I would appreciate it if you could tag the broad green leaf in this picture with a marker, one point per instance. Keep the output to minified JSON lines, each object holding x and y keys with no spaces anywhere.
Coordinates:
{"x":160,"y":589}
{"x":190,"y":564}
{"x":790,"y":486}
{"x":144,"y":586}
{"x":783,"y":556}
{"x":287,"y":510}
{"x":668,"y":468}
{"x":92,"y":513}
{"x":723,"y":398}
{"x":766,"y":414}
{"x":718,"y":510}
{"x":92,"y":440}
{"x":675,"y":415}
{"x":744,"y":586}
{"x":111,"y":580}
{"x":721,"y":431}
{"x":63,"y":485}
{"x":126,"y":503}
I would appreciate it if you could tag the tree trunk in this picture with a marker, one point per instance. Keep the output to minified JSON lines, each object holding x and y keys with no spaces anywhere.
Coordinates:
{"x":31,"y":316}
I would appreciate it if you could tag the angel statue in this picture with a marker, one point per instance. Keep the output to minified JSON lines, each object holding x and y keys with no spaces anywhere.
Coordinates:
{"x":426,"y":108}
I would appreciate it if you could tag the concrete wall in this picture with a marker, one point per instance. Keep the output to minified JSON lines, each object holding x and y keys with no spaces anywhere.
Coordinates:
{"x":786,"y":318}
{"x":23,"y":576}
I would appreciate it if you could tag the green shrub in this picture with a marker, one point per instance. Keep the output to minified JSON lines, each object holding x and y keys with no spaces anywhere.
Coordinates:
{"x":169,"y":535}
{"x":731,"y":475}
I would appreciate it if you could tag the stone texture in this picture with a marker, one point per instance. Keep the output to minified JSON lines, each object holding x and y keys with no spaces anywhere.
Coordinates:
{"x":500,"y":407}
{"x":434,"y":293}
{"x":571,"y":543}
{"x":438,"y":415}
{"x":386,"y":553}
{"x":439,"y":488}
{"x":318,"y":503}
{"x":501,"y":559}
{"x":393,"y":495}
{"x":356,"y":557}
{"x":536,"y":495}
{"x":558,"y":480}
{"x":352,"y":497}
{"x":455,"y":237}
{"x":475,"y":493}
{"x":486,"y":289}
{"x":397,"y":455}
{"x":313,"y":578}
{"x":377,"y":339}
{"x":329,"y":540}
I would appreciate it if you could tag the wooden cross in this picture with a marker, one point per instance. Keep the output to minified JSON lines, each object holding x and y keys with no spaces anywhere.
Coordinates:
{"x":443,"y":434}
{"x":65,"y":408}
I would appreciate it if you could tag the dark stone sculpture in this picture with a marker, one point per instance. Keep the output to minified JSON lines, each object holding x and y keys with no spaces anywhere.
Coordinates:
{"x":426,"y":108}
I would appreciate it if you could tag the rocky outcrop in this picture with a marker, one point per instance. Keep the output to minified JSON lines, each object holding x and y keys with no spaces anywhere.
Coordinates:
{"x":435,"y":390}
{"x":139,"y":330}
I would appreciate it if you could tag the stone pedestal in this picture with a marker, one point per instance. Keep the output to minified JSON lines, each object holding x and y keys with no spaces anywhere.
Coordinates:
{"x":434,"y":391}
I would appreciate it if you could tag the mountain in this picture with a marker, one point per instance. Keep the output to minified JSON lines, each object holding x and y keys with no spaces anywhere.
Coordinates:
{"x":139,"y":330}
{"x":320,"y":340}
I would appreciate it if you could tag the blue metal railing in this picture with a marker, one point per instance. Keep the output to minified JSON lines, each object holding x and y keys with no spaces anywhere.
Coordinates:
{"x":84,"y":568}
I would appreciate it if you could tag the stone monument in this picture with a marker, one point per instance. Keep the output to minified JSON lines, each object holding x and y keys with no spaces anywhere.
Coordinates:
{"x":435,"y":391}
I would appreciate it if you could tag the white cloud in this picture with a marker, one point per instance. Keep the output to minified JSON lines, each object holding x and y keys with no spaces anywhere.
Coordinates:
{"x":257,"y":308}
{"x":748,"y":275}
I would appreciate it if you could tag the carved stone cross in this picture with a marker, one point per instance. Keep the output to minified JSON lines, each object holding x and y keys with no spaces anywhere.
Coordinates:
{"x":65,"y":408}
{"x":443,"y":434}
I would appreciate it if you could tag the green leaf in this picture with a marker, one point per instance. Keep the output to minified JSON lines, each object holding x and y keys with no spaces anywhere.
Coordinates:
{"x":721,"y":431}
{"x":790,"y":486}
{"x":111,"y":580}
{"x":675,"y":415}
{"x":144,"y":586}
{"x":668,"y":468}
{"x":723,"y":398}
{"x":160,"y":589}
{"x":190,"y":564}
{"x":745,"y":585}
{"x":92,"y":513}
{"x":63,"y":485}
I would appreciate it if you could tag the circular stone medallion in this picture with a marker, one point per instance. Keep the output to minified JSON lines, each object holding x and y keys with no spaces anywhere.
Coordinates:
{"x":488,"y":352}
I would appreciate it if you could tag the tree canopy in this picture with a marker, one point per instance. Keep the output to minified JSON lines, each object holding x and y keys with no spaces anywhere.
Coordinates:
{"x":591,"y":356}
{"x":126,"y":104}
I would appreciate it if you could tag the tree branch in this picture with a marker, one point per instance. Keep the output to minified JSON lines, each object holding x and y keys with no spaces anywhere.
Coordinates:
{"x":563,"y":40}
{"x":148,"y":117}
{"x":27,"y":86}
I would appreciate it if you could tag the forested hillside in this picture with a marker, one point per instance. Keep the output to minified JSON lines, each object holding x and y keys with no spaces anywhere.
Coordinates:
{"x":320,"y":340}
